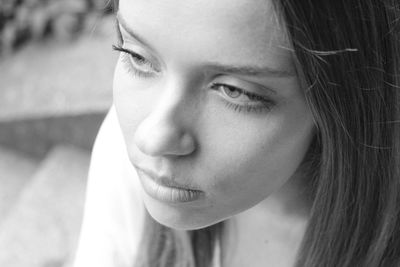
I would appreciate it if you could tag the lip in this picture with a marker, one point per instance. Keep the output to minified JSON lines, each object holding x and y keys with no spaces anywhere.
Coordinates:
{"x":165,"y":189}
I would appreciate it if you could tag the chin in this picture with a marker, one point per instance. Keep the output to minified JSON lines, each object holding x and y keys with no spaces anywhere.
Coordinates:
{"x":177,"y":217}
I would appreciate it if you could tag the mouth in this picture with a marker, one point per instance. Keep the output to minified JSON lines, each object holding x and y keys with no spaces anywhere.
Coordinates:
{"x":166,"y":180}
{"x":165,"y":189}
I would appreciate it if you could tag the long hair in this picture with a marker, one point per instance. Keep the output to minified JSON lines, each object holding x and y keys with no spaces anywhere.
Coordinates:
{"x":348,"y":54}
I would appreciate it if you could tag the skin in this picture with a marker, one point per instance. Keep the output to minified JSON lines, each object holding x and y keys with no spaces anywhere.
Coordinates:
{"x":176,"y":122}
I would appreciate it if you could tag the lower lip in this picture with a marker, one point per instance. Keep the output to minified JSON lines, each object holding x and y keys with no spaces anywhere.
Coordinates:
{"x":166,"y":193}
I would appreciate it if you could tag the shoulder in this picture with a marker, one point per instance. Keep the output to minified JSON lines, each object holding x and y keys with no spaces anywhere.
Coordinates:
{"x":114,"y":212}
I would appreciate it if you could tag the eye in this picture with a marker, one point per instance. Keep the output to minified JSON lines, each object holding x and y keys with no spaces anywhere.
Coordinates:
{"x":231,"y":91}
{"x":136,"y":63}
{"x":237,"y":93}
{"x":139,"y":60}
{"x":240,"y":99}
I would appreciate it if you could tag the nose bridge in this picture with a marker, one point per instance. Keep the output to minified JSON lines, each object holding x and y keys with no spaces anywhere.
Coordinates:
{"x":174,"y":103}
{"x":167,"y":127}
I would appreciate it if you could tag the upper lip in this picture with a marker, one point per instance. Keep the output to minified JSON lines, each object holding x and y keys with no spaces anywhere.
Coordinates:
{"x":165,"y":180}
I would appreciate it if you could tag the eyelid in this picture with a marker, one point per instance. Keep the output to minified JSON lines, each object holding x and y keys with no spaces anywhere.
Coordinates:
{"x":257,"y":103}
{"x":126,"y":39}
{"x":119,"y":33}
{"x":246,"y":86}
{"x":132,"y":35}
{"x":132,"y":53}
{"x":129,"y":58}
{"x":245,"y":92}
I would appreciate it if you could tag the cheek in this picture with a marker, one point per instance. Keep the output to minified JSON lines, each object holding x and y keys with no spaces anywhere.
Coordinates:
{"x":132,"y":100}
{"x":249,"y":162}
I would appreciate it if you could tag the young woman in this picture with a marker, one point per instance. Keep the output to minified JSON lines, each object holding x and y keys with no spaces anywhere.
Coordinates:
{"x":249,"y":133}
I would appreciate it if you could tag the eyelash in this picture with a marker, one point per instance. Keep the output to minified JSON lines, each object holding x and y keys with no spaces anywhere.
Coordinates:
{"x":266,"y":104}
{"x":136,"y":57}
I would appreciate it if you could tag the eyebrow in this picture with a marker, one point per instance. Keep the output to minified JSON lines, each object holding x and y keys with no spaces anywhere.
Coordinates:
{"x":250,"y":70}
{"x":232,"y":69}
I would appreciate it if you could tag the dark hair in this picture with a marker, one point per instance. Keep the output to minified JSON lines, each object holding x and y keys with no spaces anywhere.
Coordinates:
{"x":348,"y":55}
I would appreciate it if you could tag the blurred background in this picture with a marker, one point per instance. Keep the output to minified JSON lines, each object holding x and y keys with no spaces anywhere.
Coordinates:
{"x":56,"y":68}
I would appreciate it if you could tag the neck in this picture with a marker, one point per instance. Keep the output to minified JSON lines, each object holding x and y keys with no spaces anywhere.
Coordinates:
{"x":271,"y":231}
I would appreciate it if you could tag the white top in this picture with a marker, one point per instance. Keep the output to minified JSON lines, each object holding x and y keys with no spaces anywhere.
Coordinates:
{"x":114,"y":212}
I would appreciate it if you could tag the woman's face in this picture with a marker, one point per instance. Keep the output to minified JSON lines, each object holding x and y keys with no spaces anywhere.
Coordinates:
{"x":208,"y":99}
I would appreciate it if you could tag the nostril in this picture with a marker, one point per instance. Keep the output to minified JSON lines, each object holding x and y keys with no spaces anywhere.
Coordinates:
{"x":187,"y":145}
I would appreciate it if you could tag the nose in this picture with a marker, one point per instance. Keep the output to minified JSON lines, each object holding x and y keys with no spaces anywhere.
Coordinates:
{"x":166,"y":129}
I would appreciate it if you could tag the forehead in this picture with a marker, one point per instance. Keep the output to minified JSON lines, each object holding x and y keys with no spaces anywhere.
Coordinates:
{"x":223,"y":30}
